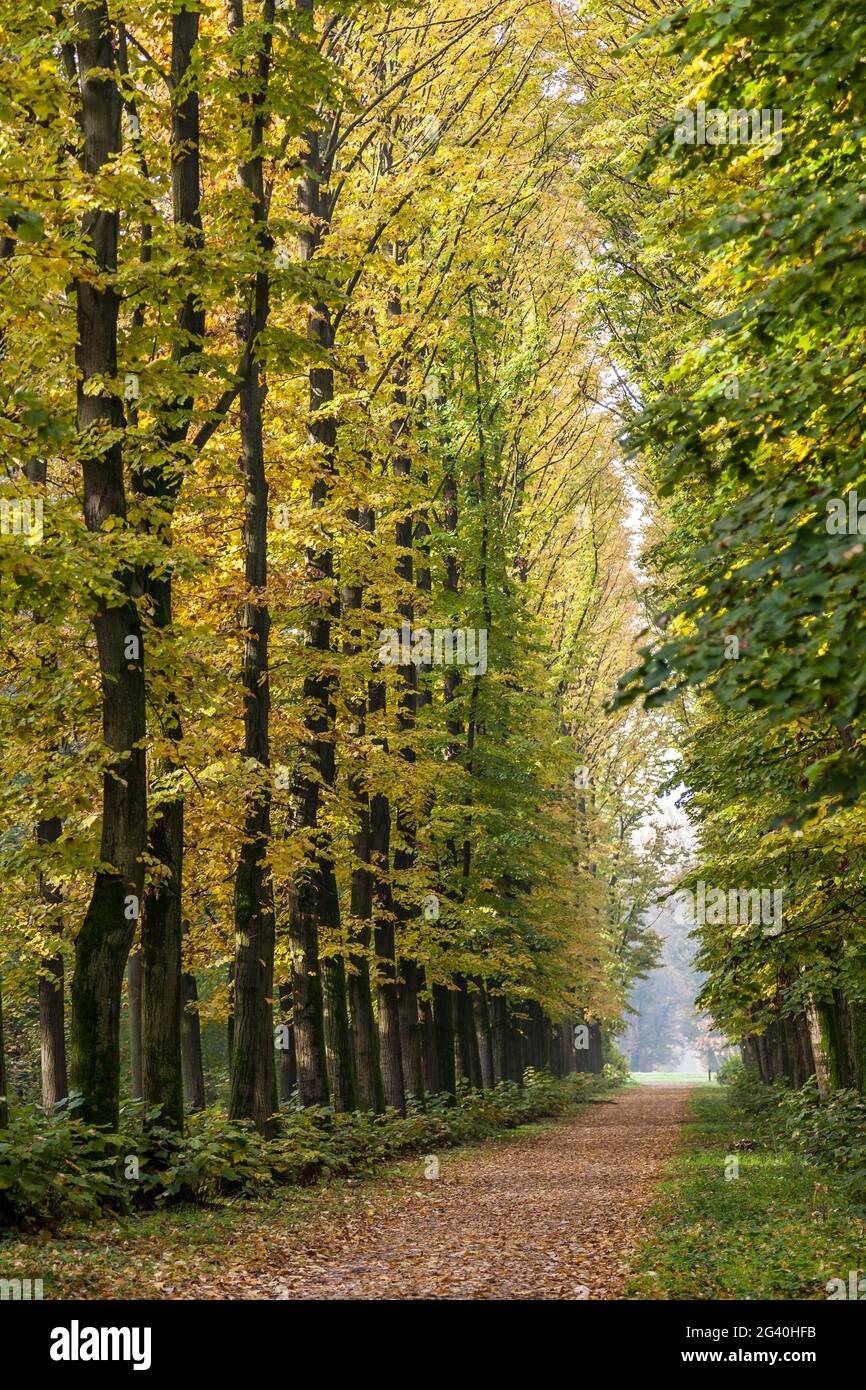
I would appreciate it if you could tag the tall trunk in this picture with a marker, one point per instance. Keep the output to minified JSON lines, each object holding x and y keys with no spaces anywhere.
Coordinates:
{"x":813,"y":1023}
{"x":748,"y":1048}
{"x":190,"y":1044}
{"x":368,"y":1072}
{"x":429,"y":1051}
{"x":410,"y":1028}
{"x":390,"y":1052}
{"x":595,"y":1049}
{"x":106,"y":934}
{"x":338,"y":1040}
{"x":445,"y":1006}
{"x":857,"y":1043}
{"x":307,"y":1009}
{"x":556,"y":1048}
{"x":500,"y":1030}
{"x":288,"y":1063}
{"x":133,"y":1000}
{"x":801,"y":1029}
{"x":52,"y":1029}
{"x":316,"y":888}
{"x":832,"y":1043}
{"x":443,"y":1022}
{"x":253,"y":1078}
{"x":467,"y":1041}
{"x":535,"y":1033}
{"x":404,"y":849}
{"x":161,"y":1001}
{"x":4,"y":1101}
{"x":765,"y":1064}
{"x":483,"y":1034}
{"x":230,"y":1019}
{"x":163,"y":1024}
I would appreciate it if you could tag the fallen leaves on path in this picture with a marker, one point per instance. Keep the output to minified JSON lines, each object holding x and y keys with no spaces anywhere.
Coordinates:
{"x":552,"y":1215}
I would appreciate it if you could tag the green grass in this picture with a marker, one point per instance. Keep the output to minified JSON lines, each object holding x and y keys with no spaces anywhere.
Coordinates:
{"x":779,"y":1230}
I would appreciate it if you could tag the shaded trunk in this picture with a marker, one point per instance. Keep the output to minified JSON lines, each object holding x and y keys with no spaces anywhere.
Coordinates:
{"x":483,"y":1033}
{"x":307,"y":1010}
{"x":387,"y":1004}
{"x":161,"y":1000}
{"x":163,"y":1026}
{"x":52,"y":1027}
{"x":468,"y":1060}
{"x":499,"y":1037}
{"x":288,"y":1062}
{"x":390,"y":1052}
{"x":52,"y":1032}
{"x":368,"y":1072}
{"x":429,"y":1054}
{"x":4,"y":1100}
{"x":338,"y":1041}
{"x":595,"y":1049}
{"x":316,"y":891}
{"x":106,"y":934}
{"x":253,"y":1076}
{"x":134,"y":1006}
{"x":443,"y":1023}
{"x":813,"y":1024}
{"x":190,"y":1044}
{"x":410,"y":1029}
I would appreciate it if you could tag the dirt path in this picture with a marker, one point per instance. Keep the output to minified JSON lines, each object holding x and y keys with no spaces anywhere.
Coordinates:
{"x":553,"y":1215}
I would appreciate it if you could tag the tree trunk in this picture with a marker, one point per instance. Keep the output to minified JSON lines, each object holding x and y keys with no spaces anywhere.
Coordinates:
{"x":483,"y":1034}
{"x":316,"y":889}
{"x":133,"y":999}
{"x":410,"y":1029}
{"x":443,"y":1021}
{"x":4,"y":1100}
{"x":368,"y":1072}
{"x":822,"y":1071}
{"x":467,"y":1042}
{"x":253,"y":1077}
{"x":190,"y":1044}
{"x":338,"y":1040}
{"x":162,"y":1004}
{"x":371,"y":1094}
{"x":106,"y":934}
{"x":307,"y":1009}
{"x":388,"y":1014}
{"x":499,"y":1039}
{"x":595,"y":1049}
{"x":288,"y":1062}
{"x":52,"y":1025}
{"x":163,"y":1025}
{"x":429,"y":1055}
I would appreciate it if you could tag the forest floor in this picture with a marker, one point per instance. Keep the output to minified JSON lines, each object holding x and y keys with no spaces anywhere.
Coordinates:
{"x":551,"y":1211}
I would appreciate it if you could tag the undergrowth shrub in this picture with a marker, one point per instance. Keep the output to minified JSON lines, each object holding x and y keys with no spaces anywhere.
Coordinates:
{"x":828,"y":1131}
{"x":55,"y":1168}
